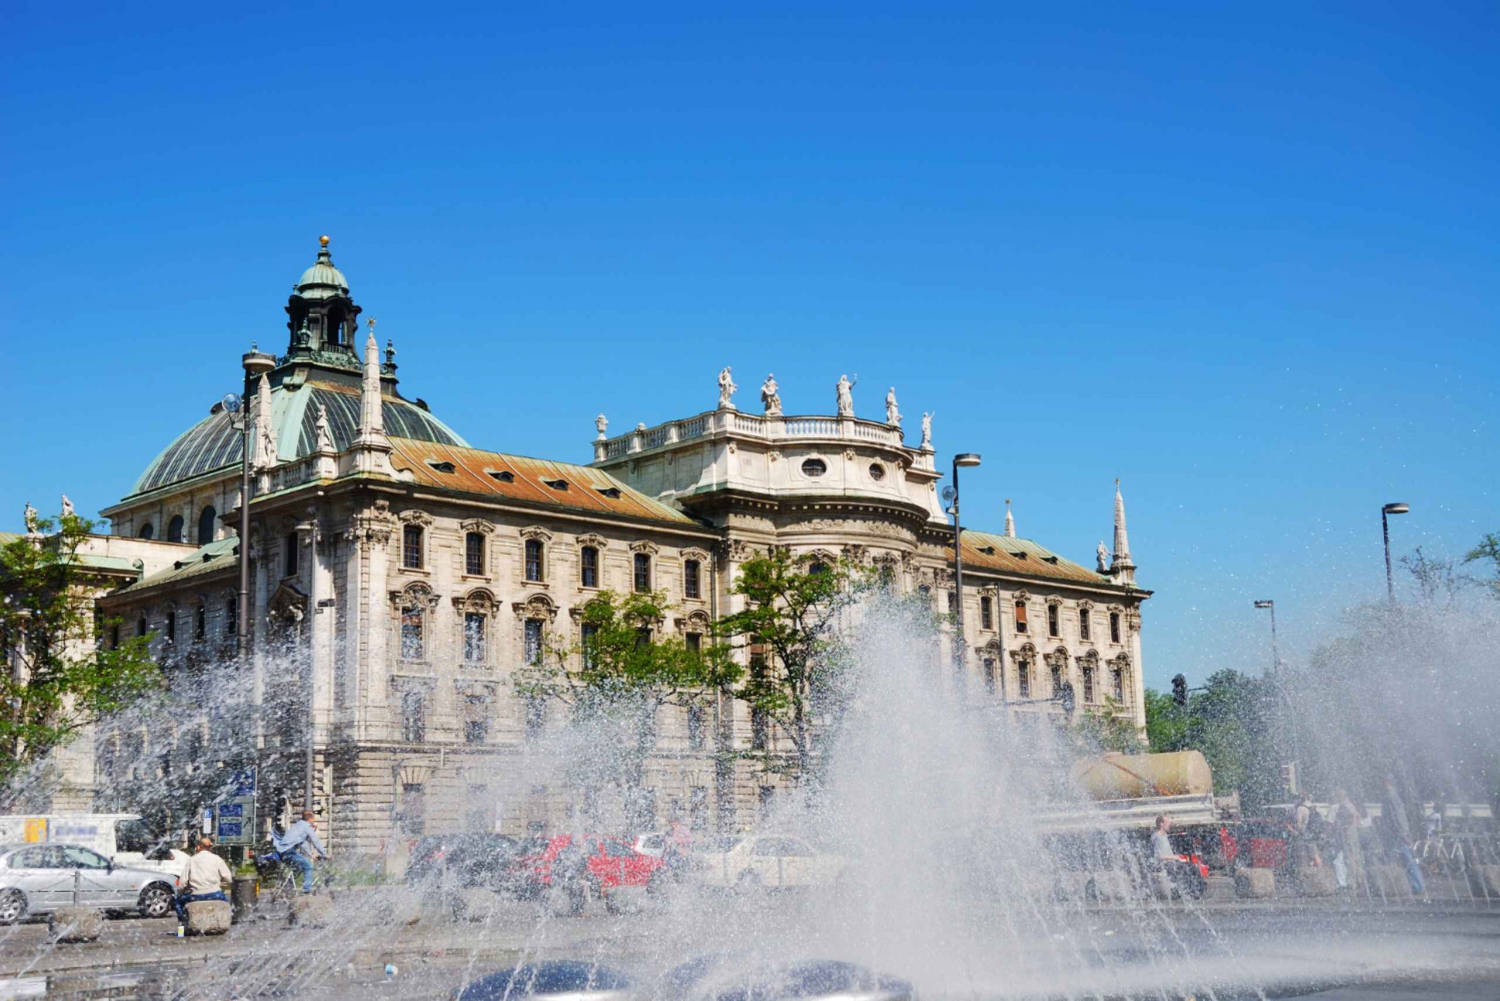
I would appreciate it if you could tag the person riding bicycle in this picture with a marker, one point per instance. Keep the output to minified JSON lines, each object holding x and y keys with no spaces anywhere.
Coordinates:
{"x":287,"y":845}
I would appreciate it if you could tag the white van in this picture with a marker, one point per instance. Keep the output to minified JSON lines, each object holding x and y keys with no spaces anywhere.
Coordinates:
{"x":123,"y":838}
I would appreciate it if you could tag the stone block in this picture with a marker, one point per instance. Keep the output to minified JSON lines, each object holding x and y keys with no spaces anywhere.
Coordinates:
{"x":75,"y":924}
{"x":208,"y":917}
{"x":310,"y":911}
{"x":1219,"y":888}
{"x":1316,"y":881}
{"x":1255,"y":884}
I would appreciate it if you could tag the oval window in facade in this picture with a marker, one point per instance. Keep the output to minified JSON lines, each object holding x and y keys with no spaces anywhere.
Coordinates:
{"x":877,"y":471}
{"x":814,"y":467}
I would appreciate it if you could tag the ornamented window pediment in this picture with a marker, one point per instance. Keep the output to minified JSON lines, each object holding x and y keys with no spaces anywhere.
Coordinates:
{"x":538,"y":606}
{"x":649,"y":548}
{"x":593,"y":539}
{"x":1115,"y":606}
{"x":536,"y":532}
{"x":695,"y":554}
{"x":1090,"y":658}
{"x":480,"y":599}
{"x":1021,"y":597}
{"x":414,"y":595}
{"x":1053,"y":599}
{"x":693,"y":622}
{"x":478,"y":525}
{"x":1060,"y":657}
{"x":1121,"y":662}
{"x":1025,"y":652}
{"x":1085,"y":605}
{"x":415,"y":516}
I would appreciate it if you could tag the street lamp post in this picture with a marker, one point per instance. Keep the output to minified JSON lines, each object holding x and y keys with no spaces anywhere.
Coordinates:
{"x":1396,"y":507}
{"x":962,"y":459}
{"x":1275,"y":657}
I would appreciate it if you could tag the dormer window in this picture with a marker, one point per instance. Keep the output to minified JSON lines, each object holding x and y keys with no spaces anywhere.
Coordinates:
{"x":987,"y":550}
{"x":557,"y":484}
{"x":442,"y":466}
{"x":613,"y":493}
{"x":503,"y":475}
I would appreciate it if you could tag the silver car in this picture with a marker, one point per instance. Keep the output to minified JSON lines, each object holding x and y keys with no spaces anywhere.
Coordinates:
{"x":38,"y":879}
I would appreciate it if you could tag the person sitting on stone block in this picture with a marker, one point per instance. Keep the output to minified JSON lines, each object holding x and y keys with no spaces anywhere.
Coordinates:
{"x":203,"y":878}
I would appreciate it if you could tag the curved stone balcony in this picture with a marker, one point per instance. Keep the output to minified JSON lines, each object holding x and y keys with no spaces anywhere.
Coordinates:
{"x":737,"y":424}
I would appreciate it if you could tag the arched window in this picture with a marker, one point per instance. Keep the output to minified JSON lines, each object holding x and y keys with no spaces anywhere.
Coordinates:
{"x":989,"y":675}
{"x":589,"y":567}
{"x":147,"y":530}
{"x":413,"y":641}
{"x":206,"y":525}
{"x":411,"y":547}
{"x":474,"y":554}
{"x":174,"y":529}
{"x":290,"y":550}
{"x":140,"y":626}
{"x":642,"y":572}
{"x":534,"y":560}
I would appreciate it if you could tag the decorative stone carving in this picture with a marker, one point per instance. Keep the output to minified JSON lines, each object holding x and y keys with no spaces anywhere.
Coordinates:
{"x":480,"y":599}
{"x":67,"y":508}
{"x":844,"y":396}
{"x":538,"y":606}
{"x":733,"y":448}
{"x":770,"y":395}
{"x":773,"y":456}
{"x":740,"y":550}
{"x":601,"y":425}
{"x":414,"y":595}
{"x":849,"y":455}
{"x":642,"y":546}
{"x":892,"y":414}
{"x":726,"y":390}
{"x":477,"y":525}
{"x":926,"y":445}
{"x":415,"y":516}
{"x":1101,"y":557}
{"x":372,"y":525}
{"x":323,"y":441}
{"x":536,"y":532}
{"x":31,"y":519}
{"x":593,"y":539}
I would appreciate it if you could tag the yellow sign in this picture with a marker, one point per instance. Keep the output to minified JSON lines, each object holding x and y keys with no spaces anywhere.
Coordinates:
{"x":36,"y":829}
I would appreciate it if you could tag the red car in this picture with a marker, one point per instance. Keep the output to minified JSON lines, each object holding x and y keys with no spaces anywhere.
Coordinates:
{"x":610,"y":863}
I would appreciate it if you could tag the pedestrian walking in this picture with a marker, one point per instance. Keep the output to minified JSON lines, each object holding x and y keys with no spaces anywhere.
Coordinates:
{"x":1348,"y":863}
{"x":204,"y":877}
{"x":1395,"y":834}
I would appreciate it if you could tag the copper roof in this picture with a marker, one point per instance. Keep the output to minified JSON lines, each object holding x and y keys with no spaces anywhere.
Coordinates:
{"x":1005,"y":554}
{"x":532,"y":481}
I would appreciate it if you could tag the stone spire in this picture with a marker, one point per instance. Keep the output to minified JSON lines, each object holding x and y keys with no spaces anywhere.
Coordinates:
{"x":1010,"y":521}
{"x":1121,"y":565}
{"x":372,"y":449}
{"x":265,"y":426}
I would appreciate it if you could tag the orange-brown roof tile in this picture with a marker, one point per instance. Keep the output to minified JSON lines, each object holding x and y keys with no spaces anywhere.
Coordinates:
{"x":1004,"y":554}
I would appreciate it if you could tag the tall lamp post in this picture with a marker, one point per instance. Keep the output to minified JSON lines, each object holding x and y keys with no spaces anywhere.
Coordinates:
{"x":1396,"y":507}
{"x":1275,"y":657}
{"x":965,"y":460}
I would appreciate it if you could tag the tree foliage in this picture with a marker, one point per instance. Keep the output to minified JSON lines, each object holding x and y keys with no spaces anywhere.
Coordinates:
{"x":1488,"y":551}
{"x":1234,"y":722}
{"x":61,"y":677}
{"x":1108,"y":728}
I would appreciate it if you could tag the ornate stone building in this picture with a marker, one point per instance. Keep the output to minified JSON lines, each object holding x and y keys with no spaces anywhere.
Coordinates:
{"x":400,"y":576}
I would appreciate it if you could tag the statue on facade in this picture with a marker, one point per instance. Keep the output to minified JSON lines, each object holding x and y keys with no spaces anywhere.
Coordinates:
{"x":927,"y":431}
{"x":892,"y":415}
{"x":845,"y":397}
{"x":67,"y":508}
{"x":726,"y":390}
{"x":770,"y":395}
{"x":1102,"y":555}
{"x":324,"y":441}
{"x":601,"y":425}
{"x":30,"y":516}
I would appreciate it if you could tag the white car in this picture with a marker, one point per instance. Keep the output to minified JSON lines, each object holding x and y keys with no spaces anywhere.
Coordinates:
{"x":766,"y":860}
{"x":38,"y":879}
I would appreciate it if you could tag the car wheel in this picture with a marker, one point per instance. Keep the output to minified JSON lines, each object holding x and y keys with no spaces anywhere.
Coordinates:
{"x":656,"y":884}
{"x":12,"y":906}
{"x":156,"y":901}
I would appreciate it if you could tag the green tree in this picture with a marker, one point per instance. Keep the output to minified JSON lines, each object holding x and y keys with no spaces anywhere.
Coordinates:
{"x":1167,"y":724}
{"x":798,"y":669}
{"x":1233,"y":721}
{"x":1096,"y":731}
{"x":1488,"y":550}
{"x":60,"y":678}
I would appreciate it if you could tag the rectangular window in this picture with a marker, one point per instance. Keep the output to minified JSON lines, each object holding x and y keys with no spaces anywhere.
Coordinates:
{"x":172,"y":626}
{"x":1020,"y":616}
{"x":1023,"y":680}
{"x":474,"y":554}
{"x":691,"y":585}
{"x":986,"y":613}
{"x":413,"y":717}
{"x":642,"y":637}
{"x":989,"y":675}
{"x":1088,"y":684}
{"x":767,"y":801}
{"x":413,"y":644}
{"x":290,"y":547}
{"x":642,"y":572}
{"x":114,"y":636}
{"x":533,"y":642}
{"x":760,"y":730}
{"x":1119,"y":680}
{"x":232,"y":616}
{"x":698,"y":809}
{"x":590,"y":634}
{"x":476,"y":723}
{"x":478,"y":816}
{"x":1114,"y":627}
{"x":952,"y":601}
{"x":697,"y":726}
{"x":411,"y":547}
{"x":474,"y":637}
{"x":1056,"y":679}
{"x":534,"y":560}
{"x":589,"y":562}
{"x":1083,"y":623}
{"x":200,"y":623}
{"x":1054,"y":620}
{"x":413,"y":809}
{"x":694,"y":642}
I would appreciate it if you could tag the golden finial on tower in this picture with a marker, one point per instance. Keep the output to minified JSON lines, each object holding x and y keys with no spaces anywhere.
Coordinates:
{"x":371,"y":322}
{"x":323,"y":240}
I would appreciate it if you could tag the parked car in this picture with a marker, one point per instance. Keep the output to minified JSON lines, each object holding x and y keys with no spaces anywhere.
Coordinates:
{"x":465,"y":860}
{"x":123,"y":838}
{"x":764,"y":860}
{"x":38,"y":879}
{"x":653,"y":843}
{"x":610,"y":863}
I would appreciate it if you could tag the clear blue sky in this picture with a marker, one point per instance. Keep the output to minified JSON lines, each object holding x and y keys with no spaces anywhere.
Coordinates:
{"x":1245,"y":260}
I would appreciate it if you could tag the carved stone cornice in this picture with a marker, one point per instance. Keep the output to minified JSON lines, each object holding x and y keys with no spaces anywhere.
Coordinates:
{"x":417,"y":594}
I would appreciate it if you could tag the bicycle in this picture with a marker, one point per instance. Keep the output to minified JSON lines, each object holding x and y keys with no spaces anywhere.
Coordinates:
{"x":281,"y":880}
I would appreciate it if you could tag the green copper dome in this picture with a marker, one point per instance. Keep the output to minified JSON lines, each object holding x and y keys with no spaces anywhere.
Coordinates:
{"x":322,"y":280}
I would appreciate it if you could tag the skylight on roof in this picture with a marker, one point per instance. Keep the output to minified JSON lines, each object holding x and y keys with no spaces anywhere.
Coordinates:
{"x":613,"y":493}
{"x":990,"y":550}
{"x":557,"y":484}
{"x":503,"y":475}
{"x":442,"y":466}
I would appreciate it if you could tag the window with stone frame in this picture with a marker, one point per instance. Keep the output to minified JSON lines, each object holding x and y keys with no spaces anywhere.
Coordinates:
{"x":1057,"y":676}
{"x":1117,"y":676}
{"x":1114,"y":627}
{"x":200,"y":624}
{"x":476,"y":638}
{"x":1020,"y":616}
{"x":588,"y":564}
{"x":232,"y":615}
{"x":989,"y":675}
{"x":476,"y":720}
{"x":1023,"y":678}
{"x":174,"y":529}
{"x":986,"y":612}
{"x":697,"y":726}
{"x":290,"y":550}
{"x":692,"y":583}
{"x":474,"y":554}
{"x":590,"y":635}
{"x":1088,"y":683}
{"x":413,"y":633}
{"x":413,"y":809}
{"x":534,"y":553}
{"x":534,"y":633}
{"x":413,"y":716}
{"x":1054,"y":619}
{"x":171,"y":625}
{"x":643,"y":572}
{"x":1083,"y":623}
{"x":411,"y":547}
{"x":698,"y":809}
{"x":693,"y":642}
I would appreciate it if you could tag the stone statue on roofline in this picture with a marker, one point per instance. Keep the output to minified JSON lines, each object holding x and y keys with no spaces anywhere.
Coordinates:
{"x":892,"y":415}
{"x":927,"y":431}
{"x":324,"y":441}
{"x":601,"y":425}
{"x":1102,"y":556}
{"x":726,"y":390}
{"x":67,"y":508}
{"x":770,"y":395}
{"x":845,"y":396}
{"x":31,"y":520}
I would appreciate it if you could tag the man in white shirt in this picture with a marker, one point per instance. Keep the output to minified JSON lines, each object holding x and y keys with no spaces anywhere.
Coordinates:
{"x":1184,"y":875}
{"x":204,"y":877}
